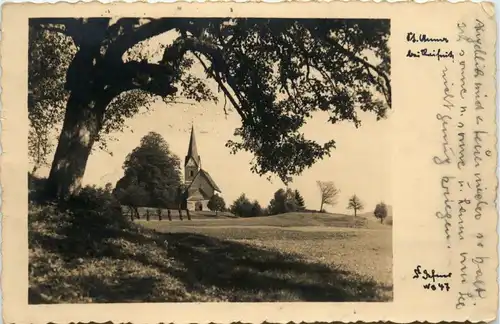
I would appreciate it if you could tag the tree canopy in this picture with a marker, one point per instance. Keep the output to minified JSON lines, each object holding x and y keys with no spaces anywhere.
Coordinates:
{"x":153,"y":168}
{"x":275,"y":73}
{"x":216,"y":203}
{"x":243,"y":207}
{"x":356,"y":204}
{"x":286,"y":201}
{"x":380,"y":211}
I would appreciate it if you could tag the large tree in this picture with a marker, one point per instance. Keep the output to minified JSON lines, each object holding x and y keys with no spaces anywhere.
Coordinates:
{"x":153,"y":167}
{"x":274,"y":72}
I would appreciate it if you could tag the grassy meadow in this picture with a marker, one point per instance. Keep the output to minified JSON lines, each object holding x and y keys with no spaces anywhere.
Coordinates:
{"x":289,"y":257}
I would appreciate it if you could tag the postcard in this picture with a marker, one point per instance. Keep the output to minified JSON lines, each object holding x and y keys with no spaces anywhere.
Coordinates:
{"x":220,"y":162}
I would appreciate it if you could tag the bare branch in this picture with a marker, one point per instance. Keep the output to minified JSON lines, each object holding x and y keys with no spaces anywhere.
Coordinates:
{"x":329,"y":193}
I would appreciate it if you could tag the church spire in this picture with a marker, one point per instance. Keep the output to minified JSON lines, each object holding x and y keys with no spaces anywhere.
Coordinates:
{"x":192,"y":149}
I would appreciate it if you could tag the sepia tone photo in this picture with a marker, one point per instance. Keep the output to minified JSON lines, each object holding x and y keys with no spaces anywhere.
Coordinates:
{"x":209,"y":159}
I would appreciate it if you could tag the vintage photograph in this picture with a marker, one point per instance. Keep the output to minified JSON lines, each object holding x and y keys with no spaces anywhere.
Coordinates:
{"x":209,"y":160}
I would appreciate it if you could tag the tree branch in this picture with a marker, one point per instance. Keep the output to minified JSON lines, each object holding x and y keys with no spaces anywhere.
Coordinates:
{"x":154,"y":78}
{"x":218,"y":67}
{"x":368,"y":65}
{"x":126,"y":41}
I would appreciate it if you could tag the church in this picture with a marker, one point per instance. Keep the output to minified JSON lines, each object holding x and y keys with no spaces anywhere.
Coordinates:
{"x":200,"y":186}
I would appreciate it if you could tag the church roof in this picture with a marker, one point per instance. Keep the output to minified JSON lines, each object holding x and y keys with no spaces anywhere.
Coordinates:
{"x":211,"y":182}
{"x":197,"y":194}
{"x":192,"y":149}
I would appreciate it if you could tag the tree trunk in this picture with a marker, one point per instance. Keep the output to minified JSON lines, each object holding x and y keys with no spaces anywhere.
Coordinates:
{"x":355,"y":212}
{"x":82,"y":123}
{"x":321,"y":208}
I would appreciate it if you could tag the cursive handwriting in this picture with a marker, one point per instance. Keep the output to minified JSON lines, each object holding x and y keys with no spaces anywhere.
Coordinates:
{"x":478,"y":283}
{"x":423,"y":38}
{"x":463,"y":269}
{"x":477,"y":147}
{"x":461,"y":149}
{"x":446,"y":145}
{"x":432,"y":275}
{"x":461,"y":211}
{"x":446,"y":214}
{"x":438,"y":54}
{"x":479,"y":197}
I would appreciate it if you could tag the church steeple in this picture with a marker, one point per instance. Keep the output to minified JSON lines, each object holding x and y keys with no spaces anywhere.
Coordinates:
{"x":192,"y":149}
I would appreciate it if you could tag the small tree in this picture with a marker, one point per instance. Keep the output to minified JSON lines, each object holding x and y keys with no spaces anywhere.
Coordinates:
{"x":355,"y":204}
{"x":381,"y":211}
{"x":299,"y":201}
{"x":328,"y":193}
{"x":256,"y":209}
{"x":216,"y":203}
{"x":241,"y":206}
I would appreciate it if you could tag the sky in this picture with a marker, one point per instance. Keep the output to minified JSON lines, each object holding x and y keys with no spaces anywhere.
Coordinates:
{"x":359,"y":165}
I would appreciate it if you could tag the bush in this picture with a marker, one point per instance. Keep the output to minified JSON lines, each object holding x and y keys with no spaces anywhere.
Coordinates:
{"x":97,"y":208}
{"x":244,"y":208}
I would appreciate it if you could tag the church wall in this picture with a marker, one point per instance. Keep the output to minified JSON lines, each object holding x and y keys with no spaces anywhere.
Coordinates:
{"x":191,"y":205}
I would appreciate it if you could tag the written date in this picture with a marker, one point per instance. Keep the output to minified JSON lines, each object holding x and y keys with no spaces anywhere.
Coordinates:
{"x":432,"y":277}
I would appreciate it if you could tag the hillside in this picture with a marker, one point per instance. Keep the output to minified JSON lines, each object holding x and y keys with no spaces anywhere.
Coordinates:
{"x":82,"y":257}
{"x":283,"y":220}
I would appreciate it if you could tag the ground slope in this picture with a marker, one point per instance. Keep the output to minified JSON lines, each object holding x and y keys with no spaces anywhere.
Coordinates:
{"x":79,"y":262}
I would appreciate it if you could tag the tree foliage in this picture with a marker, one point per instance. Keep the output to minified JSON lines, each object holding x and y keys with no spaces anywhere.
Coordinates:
{"x":285,"y":201}
{"x":381,"y":211}
{"x":153,"y":168}
{"x":275,"y":73}
{"x":301,"y":205}
{"x":328,"y":193}
{"x":243,"y":207}
{"x":216,"y":203}
{"x":355,"y":204}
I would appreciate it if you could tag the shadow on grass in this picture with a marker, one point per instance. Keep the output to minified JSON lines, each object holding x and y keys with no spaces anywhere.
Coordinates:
{"x":262,"y":275}
{"x":240,"y":272}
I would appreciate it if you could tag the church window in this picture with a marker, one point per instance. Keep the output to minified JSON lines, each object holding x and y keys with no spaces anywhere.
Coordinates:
{"x":191,"y":173}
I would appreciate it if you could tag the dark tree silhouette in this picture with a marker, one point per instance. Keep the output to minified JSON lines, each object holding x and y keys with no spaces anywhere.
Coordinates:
{"x":153,"y":167}
{"x":243,"y":207}
{"x":355,"y":204}
{"x":301,"y":205}
{"x":284,"y":201}
{"x":216,"y":203}
{"x":381,"y":211}
{"x":274,"y":72}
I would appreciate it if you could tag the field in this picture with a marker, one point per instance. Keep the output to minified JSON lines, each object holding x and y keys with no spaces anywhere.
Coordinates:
{"x":289,"y":257}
